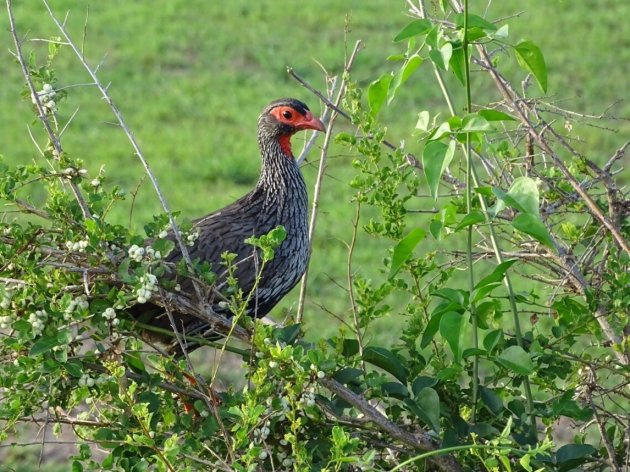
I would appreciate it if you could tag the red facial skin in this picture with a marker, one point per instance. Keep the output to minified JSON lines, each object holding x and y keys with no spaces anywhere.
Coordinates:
{"x":290,"y":116}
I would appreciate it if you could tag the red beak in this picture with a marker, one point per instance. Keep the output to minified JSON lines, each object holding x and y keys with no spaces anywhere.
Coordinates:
{"x":310,"y":122}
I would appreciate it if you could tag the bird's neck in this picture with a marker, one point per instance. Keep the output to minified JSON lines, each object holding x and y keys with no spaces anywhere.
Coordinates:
{"x":281,"y":184}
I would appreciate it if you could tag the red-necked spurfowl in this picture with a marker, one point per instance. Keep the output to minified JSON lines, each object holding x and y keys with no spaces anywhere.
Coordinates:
{"x":279,"y":198}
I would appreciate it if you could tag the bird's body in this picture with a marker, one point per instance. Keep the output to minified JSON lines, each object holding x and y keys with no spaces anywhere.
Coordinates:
{"x":279,"y":199}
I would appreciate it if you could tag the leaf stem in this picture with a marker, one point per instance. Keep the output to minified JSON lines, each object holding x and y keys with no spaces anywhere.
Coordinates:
{"x":469,"y":232}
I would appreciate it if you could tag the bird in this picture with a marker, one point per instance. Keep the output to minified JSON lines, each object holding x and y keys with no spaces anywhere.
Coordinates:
{"x":279,"y":198}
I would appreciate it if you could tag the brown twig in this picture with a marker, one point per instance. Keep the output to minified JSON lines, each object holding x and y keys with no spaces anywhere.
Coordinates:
{"x":419,"y":441}
{"x":591,"y":385}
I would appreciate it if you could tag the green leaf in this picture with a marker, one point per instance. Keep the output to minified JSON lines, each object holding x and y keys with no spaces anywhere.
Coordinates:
{"x":135,"y":361}
{"x":480,"y":293}
{"x":345,"y":138}
{"x":104,"y":436}
{"x":492,"y":339}
{"x":414,"y":28}
{"x":123,"y":271}
{"x":455,"y":296}
{"x":442,"y":130}
{"x":442,"y":57}
{"x":395,"y":390}
{"x":396,"y":57}
{"x":458,"y":64}
{"x":432,"y":327}
{"x":449,"y":373}
{"x":492,"y":400}
{"x":429,"y":403}
{"x":402,"y":75}
{"x":473,"y":122}
{"x":517,"y":360}
{"x":530,"y":58}
{"x":386,"y":360}
{"x":452,"y":329}
{"x":502,"y":32}
{"x":535,"y":228}
{"x":522,"y":196}
{"x":377,"y":93}
{"x":436,"y":158}
{"x":497,"y":274}
{"x":74,"y":368}
{"x":495,"y":115}
{"x":43,"y":344}
{"x":472,"y":351}
{"x":525,"y":191}
{"x":350,"y":347}
{"x":486,"y":311}
{"x":435,"y":228}
{"x":64,"y":336}
{"x":570,"y":452}
{"x":153,"y":401}
{"x":567,"y":406}
{"x":471,"y":218}
{"x":423,"y":121}
{"x":347,"y":375}
{"x":421,"y":382}
{"x":288,"y":334}
{"x":474,"y":21}
{"x":447,"y":52}
{"x":404,"y":248}
{"x":485,"y":430}
{"x":165,"y":246}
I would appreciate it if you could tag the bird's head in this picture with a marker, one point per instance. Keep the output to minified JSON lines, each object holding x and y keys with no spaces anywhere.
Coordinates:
{"x":282,"y":118}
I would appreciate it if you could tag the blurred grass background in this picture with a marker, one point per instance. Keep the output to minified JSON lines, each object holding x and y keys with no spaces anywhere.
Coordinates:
{"x":191,"y":77}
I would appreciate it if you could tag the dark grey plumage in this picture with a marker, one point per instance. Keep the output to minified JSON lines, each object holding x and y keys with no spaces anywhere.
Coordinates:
{"x":279,"y":198}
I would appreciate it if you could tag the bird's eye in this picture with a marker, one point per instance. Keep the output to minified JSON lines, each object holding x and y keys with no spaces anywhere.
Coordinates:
{"x":287,"y":114}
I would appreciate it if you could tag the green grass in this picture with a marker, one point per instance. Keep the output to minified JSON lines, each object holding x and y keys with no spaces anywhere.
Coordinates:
{"x":191,"y":77}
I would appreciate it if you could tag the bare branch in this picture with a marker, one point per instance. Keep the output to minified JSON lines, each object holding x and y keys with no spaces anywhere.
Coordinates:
{"x":320,"y":173}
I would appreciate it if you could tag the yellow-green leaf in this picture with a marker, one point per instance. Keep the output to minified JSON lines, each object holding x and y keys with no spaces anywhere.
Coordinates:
{"x":436,"y":158}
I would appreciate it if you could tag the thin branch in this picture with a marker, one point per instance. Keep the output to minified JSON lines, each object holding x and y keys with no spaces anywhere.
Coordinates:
{"x":350,"y":278}
{"x":28,"y":208}
{"x":521,"y":107}
{"x":41,"y":113}
{"x":325,"y":119}
{"x":130,"y":136}
{"x":419,"y":441}
{"x":591,"y":385}
{"x":320,"y":173}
